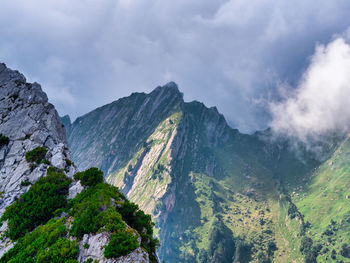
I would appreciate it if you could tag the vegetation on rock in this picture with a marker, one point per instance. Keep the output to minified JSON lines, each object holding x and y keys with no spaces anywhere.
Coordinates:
{"x":45,"y":244}
{"x":90,"y":177}
{"x":3,"y":140}
{"x":100,"y":207}
{"x":38,"y":205}
{"x":36,"y":155}
{"x":121,"y":244}
{"x":141,"y":222}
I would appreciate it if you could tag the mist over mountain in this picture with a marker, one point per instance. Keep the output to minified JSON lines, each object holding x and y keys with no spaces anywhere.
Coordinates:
{"x":319,"y":105}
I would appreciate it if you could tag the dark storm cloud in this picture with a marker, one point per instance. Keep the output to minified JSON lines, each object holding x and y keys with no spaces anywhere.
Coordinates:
{"x":231,"y":54}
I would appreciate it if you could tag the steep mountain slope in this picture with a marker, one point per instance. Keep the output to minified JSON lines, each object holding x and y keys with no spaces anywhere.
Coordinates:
{"x":119,"y":128}
{"x":324,"y":204}
{"x":46,"y":214}
{"x":213,"y":192}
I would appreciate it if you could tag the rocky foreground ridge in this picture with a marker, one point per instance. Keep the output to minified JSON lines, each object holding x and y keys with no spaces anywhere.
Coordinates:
{"x":29,"y":122}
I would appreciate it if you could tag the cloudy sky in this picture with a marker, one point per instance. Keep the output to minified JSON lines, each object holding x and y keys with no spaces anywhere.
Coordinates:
{"x":234,"y":54}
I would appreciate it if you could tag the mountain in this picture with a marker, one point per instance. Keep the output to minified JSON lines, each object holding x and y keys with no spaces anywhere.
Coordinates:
{"x":216,"y":195}
{"x":27,"y":121}
{"x":324,"y":206}
{"x":50,"y":212}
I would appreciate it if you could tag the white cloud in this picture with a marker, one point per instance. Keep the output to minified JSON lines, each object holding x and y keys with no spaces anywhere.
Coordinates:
{"x":225,"y":53}
{"x":320,"y":104}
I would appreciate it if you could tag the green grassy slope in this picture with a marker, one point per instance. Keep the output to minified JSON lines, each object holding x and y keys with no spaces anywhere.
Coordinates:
{"x":233,"y":179}
{"x":325,"y":203}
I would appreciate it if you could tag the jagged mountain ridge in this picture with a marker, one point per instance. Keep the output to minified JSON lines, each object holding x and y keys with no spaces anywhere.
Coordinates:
{"x":124,"y":130}
{"x":199,"y":178}
{"x":33,"y":152}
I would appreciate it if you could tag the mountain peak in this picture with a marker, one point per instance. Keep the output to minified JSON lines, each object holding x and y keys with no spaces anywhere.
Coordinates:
{"x":7,"y":75}
{"x":171,"y":87}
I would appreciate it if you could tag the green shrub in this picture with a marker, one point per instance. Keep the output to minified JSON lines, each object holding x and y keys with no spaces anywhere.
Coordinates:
{"x":86,"y":222}
{"x":310,"y":252}
{"x":90,"y":177}
{"x":271,"y":247}
{"x":3,"y":140}
{"x":62,"y":251}
{"x":36,"y":155}
{"x":45,"y":244}
{"x":38,"y":205}
{"x":111,"y":220}
{"x":92,"y":210}
{"x":46,"y":162}
{"x":25,"y":183}
{"x":138,"y":220}
{"x":345,"y":250}
{"x":121,"y":244}
{"x":32,"y":166}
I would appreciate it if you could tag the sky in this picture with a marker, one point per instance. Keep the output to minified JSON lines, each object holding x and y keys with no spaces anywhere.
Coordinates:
{"x":319,"y":105}
{"x":252,"y":59}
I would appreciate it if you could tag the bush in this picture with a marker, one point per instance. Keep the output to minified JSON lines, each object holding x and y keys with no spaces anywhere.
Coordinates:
{"x":310,"y":252}
{"x":91,"y":220}
{"x":92,"y":210}
{"x":62,"y":251}
{"x":38,"y":205}
{"x":3,"y":140}
{"x":25,"y":183}
{"x":121,"y":244}
{"x":271,"y":248}
{"x":46,"y":162}
{"x":90,"y":177}
{"x":138,"y":220}
{"x":86,"y":222}
{"x":36,"y":155}
{"x":345,"y":250}
{"x":45,"y":244}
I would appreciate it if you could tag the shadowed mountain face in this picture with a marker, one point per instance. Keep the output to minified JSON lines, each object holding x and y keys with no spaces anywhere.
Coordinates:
{"x":215,"y":194}
{"x":118,"y":129}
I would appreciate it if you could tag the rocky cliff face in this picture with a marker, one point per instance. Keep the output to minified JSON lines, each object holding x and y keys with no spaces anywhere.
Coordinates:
{"x":28,"y":121}
{"x":212,"y":191}
{"x":120,"y":128}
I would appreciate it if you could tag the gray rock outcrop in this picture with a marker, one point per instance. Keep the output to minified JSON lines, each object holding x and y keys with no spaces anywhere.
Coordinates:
{"x":92,"y":246}
{"x":29,"y":121}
